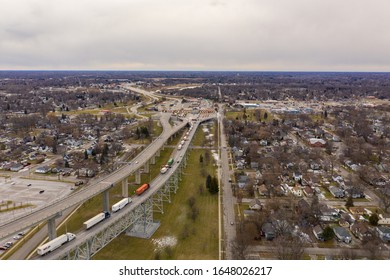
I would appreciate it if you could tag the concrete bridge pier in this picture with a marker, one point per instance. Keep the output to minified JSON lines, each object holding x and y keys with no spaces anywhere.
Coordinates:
{"x":153,"y":160}
{"x":146,"y":167}
{"x":125,"y":188}
{"x":138,"y":177}
{"x":51,"y":224}
{"x":106,"y":201}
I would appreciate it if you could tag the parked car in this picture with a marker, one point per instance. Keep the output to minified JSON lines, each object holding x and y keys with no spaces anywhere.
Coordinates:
{"x":79,"y":183}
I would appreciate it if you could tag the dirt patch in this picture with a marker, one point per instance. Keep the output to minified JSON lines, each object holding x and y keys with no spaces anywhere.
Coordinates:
{"x":166,"y":241}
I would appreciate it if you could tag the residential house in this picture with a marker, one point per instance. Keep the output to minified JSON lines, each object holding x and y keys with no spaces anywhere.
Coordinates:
{"x":339,"y":179}
{"x":263,"y":191}
{"x":297,"y":191}
{"x":255,"y":204}
{"x":351,"y":165}
{"x":240,"y":165}
{"x":379,"y":181}
{"x":357,"y":210}
{"x":297,"y":176}
{"x":254,"y":165}
{"x":347,"y":217}
{"x":336,"y":192}
{"x":308,"y":191}
{"x":238,"y":152}
{"x":268,"y":231}
{"x":263,"y":142}
{"x":383,"y":233}
{"x":336,"y":139}
{"x":355,"y":192}
{"x":361,"y":230}
{"x":85,"y":172}
{"x":16,"y":167}
{"x":316,"y":142}
{"x":242,"y":180}
{"x":384,"y":219}
{"x":315,"y":166}
{"x":43,"y":169}
{"x":342,"y":234}
{"x":328,"y":213}
{"x":318,"y":231}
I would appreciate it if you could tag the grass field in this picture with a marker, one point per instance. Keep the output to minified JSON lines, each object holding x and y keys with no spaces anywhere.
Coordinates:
{"x":250,"y":115}
{"x":188,"y":238}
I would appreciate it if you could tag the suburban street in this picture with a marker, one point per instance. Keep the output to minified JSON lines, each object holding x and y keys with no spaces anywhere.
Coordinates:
{"x":228,"y":200}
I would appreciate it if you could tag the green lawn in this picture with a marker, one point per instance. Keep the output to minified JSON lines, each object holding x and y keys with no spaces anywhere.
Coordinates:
{"x":250,"y":115}
{"x":194,"y":239}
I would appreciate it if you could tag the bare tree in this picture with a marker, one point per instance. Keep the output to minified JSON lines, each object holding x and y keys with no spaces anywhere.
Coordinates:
{"x":289,"y":248}
{"x":240,"y":245}
{"x":385,"y":199}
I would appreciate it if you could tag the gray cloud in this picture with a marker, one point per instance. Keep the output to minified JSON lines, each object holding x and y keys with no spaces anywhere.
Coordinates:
{"x":199,"y":35}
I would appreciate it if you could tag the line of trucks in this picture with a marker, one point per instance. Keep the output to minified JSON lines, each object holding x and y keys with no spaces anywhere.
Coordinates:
{"x":185,"y":138}
{"x":67,"y":237}
{"x":169,"y":164}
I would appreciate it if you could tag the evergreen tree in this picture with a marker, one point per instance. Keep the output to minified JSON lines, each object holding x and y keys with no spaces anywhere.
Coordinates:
{"x":374,"y":219}
{"x":328,"y":233}
{"x":208,"y":182}
{"x":349,"y":202}
{"x":214,"y":188}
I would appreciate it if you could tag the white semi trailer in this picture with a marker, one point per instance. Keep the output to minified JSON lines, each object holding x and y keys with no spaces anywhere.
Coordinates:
{"x":120,"y":204}
{"x":97,"y":219}
{"x":55,"y":243}
{"x":164,"y":170}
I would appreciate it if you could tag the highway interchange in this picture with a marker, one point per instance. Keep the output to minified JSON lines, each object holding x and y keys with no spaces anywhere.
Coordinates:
{"x":95,"y":187}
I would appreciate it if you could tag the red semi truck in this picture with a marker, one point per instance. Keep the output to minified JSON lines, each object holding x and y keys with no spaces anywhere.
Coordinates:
{"x":141,"y":189}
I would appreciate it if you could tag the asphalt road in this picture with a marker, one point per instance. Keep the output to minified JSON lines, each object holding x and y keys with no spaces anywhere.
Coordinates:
{"x":228,"y":200}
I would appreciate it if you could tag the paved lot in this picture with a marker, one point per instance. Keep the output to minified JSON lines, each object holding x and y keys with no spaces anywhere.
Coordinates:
{"x":19,"y":193}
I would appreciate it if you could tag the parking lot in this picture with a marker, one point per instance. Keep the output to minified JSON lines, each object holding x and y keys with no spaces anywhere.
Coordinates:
{"x":20,"y":196}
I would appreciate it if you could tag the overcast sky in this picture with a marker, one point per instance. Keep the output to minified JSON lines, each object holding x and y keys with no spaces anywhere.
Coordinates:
{"x":285,"y":35}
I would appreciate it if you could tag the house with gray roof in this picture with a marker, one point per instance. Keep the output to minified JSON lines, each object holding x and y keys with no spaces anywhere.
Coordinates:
{"x":336,"y":192}
{"x":383,"y":233}
{"x":342,"y":234}
{"x":268,"y":231}
{"x":318,"y":231}
{"x":255,"y":204}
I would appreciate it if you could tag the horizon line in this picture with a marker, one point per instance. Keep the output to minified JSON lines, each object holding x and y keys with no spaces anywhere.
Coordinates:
{"x":236,"y":71}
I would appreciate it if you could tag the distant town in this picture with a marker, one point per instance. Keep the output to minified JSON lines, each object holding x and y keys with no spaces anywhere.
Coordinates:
{"x":290,"y":165}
